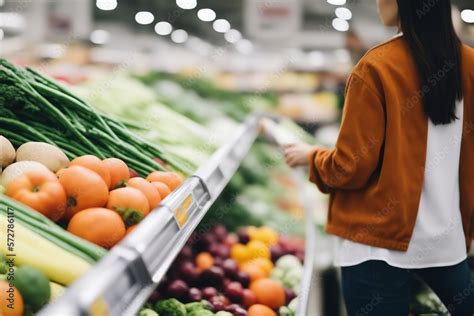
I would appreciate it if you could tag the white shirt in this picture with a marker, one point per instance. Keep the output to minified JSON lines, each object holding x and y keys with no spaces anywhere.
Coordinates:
{"x":438,"y":237}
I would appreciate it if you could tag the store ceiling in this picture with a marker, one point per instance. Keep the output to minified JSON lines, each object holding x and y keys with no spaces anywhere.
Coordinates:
{"x":316,"y":13}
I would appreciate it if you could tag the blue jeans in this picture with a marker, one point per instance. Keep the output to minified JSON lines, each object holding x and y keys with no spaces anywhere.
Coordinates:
{"x":376,"y":288}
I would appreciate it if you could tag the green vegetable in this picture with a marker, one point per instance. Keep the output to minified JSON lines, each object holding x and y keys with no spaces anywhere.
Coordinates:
{"x":170,"y":307}
{"x":288,"y":262}
{"x":35,"y":108}
{"x":33,"y":286}
{"x":3,"y":264}
{"x":201,"y":312}
{"x":202,"y":305}
{"x":293,"y":304}
{"x":148,"y":312}
{"x":285,"y":311}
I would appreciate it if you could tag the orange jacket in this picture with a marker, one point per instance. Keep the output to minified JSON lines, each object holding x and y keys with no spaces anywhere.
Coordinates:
{"x":375,"y":172}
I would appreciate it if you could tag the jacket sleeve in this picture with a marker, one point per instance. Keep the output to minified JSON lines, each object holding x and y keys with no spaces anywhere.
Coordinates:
{"x":357,"y":152}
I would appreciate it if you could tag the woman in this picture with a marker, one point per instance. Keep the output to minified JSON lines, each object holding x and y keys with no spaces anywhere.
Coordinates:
{"x":401,"y":176}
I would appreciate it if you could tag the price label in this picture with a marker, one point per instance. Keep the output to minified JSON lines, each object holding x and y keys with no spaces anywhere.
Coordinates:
{"x":181,"y":212}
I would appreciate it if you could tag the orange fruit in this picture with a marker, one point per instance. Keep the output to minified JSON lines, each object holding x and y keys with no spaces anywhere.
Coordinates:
{"x":264,"y":234}
{"x":151,"y":193}
{"x":131,"y":229}
{"x":204,"y":260}
{"x":239,"y":253}
{"x":269,"y":292}
{"x":171,"y":179}
{"x":258,"y":249}
{"x":265,"y":264}
{"x":162,"y":188}
{"x":118,"y":170}
{"x":254,"y":271}
{"x":84,"y":189}
{"x":100,"y":226}
{"x":5,"y":294}
{"x":130,"y":203}
{"x":95,"y":164}
{"x":260,"y":310}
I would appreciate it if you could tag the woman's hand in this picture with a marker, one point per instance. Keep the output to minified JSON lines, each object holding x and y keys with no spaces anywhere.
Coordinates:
{"x":297,"y":154}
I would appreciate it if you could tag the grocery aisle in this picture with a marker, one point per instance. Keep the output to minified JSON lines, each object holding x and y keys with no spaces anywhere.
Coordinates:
{"x":142,"y":167}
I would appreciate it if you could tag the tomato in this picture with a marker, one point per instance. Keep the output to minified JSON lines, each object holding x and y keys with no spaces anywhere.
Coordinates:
{"x":162,"y":188}
{"x":148,"y":189}
{"x":40,"y":190}
{"x":84,"y":189}
{"x":118,"y":170}
{"x":130,"y":203}
{"x":95,"y":164}
{"x":100,"y":226}
{"x":171,"y":179}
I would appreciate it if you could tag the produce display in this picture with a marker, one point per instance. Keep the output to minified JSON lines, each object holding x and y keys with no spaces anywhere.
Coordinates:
{"x":254,"y":272}
{"x":35,"y":108}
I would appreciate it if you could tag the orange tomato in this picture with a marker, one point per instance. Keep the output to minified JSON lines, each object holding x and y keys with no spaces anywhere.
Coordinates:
{"x":131,"y":229}
{"x":151,"y":193}
{"x":119,"y":172}
{"x":130,"y":203}
{"x":269,"y":293}
{"x":100,"y":226}
{"x":84,"y":189}
{"x":255,"y":272}
{"x":40,"y":190}
{"x":7,"y":294}
{"x":162,"y":188}
{"x":258,"y":249}
{"x":260,"y":310}
{"x":239,"y":253}
{"x":95,"y":164}
{"x":265,"y":264}
{"x":171,"y":179}
{"x":204,"y":260}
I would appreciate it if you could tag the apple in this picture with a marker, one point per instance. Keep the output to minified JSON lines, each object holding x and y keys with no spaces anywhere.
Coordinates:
{"x":248,"y":298}
{"x":243,"y":235}
{"x":234,"y":291}
{"x":214,"y":276}
{"x":195,"y":294}
{"x":231,"y":268}
{"x":220,"y":232}
{"x":209,"y":292}
{"x":178,"y":289}
{"x":243,"y":278}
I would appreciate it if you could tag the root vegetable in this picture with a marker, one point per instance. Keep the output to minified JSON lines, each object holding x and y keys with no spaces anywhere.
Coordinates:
{"x":7,"y":152}
{"x":18,"y":169}
{"x":50,"y":156}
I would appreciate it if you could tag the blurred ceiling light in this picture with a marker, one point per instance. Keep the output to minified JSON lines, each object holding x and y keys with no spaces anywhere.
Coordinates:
{"x":163,"y":28}
{"x":206,"y":15}
{"x":233,"y":36}
{"x":340,"y":25}
{"x":186,"y":4}
{"x":244,"y":46}
{"x":1,"y":34}
{"x":12,"y":20}
{"x":106,"y":5}
{"x":316,"y":58}
{"x":179,"y":36}
{"x":337,"y":2}
{"x":2,"y":2}
{"x":144,"y":17}
{"x":100,"y":37}
{"x":344,"y":13}
{"x":467,"y":16}
{"x":221,"y":25}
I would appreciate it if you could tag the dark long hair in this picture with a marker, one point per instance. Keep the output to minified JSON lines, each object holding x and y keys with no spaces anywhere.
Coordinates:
{"x":428,"y":29}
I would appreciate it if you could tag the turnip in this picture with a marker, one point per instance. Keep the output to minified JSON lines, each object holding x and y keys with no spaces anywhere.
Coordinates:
{"x":50,"y":156}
